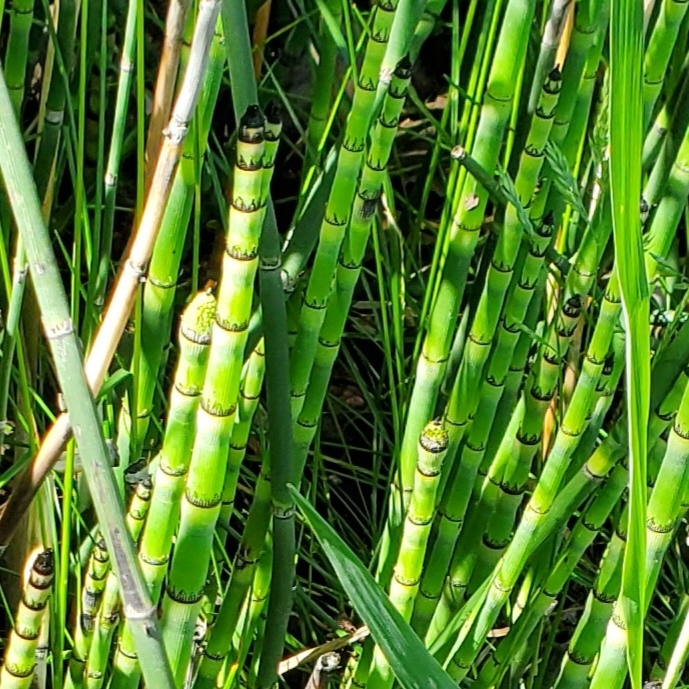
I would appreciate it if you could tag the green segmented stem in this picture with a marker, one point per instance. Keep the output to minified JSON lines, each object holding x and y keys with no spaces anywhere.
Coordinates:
{"x":94,"y":583}
{"x":21,"y":17}
{"x":658,"y":52}
{"x":458,"y":491}
{"x":252,"y":378}
{"x":544,"y":377}
{"x":662,"y":227}
{"x":202,"y":497}
{"x":139,"y":507}
{"x":20,"y":653}
{"x":163,"y":515}
{"x":590,"y":629}
{"x":185,"y":395}
{"x":425,"y":26}
{"x":163,"y":272}
{"x":550,"y":41}
{"x":502,"y":510}
{"x":541,"y":501}
{"x":675,"y":116}
{"x":666,"y":507}
{"x":55,"y":102}
{"x":110,"y":182}
{"x":583,"y":535}
{"x":571,"y":145}
{"x":586,"y":18}
{"x":109,"y":611}
{"x":248,"y":556}
{"x":339,"y":206}
{"x":323,"y":87}
{"x":605,"y":391}
{"x":670,"y":661}
{"x":669,"y":209}
{"x":433,"y":446}
{"x":249,"y":392}
{"x":506,"y":494}
{"x":350,"y":262}
{"x":406,"y":577}
{"x":97,"y":570}
{"x":251,"y":618}
{"x":463,"y":400}
{"x":470,"y":205}
{"x":566,"y":441}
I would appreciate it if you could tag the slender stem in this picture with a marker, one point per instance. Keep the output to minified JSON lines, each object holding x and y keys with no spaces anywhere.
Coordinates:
{"x":59,"y":331}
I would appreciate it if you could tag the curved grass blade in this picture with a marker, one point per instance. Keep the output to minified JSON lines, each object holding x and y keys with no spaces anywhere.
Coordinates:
{"x":412,"y":664}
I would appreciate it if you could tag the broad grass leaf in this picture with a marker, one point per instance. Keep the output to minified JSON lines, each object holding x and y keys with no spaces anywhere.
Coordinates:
{"x":412,"y":664}
{"x":626,"y":117}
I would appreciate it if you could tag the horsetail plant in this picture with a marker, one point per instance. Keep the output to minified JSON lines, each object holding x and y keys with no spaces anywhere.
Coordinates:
{"x":173,"y":465}
{"x":60,"y":334}
{"x":349,"y":263}
{"x":338,"y":207}
{"x":469,"y":206}
{"x":109,"y":612}
{"x":249,"y":555}
{"x":406,"y":577}
{"x":665,"y":508}
{"x":134,"y":265}
{"x":97,"y":571}
{"x":160,"y":288}
{"x":491,"y":298}
{"x":480,"y":342}
{"x":202,"y":499}
{"x":249,"y":393}
{"x":20,"y":653}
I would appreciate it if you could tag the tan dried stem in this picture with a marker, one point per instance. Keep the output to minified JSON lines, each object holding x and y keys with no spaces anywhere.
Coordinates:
{"x":165,"y":83}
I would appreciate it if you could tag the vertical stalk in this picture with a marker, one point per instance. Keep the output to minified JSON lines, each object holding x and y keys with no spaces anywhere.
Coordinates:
{"x":20,"y":653}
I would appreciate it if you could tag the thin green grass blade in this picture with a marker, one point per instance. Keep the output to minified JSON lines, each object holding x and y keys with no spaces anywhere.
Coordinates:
{"x":412,"y":664}
{"x":626,"y":117}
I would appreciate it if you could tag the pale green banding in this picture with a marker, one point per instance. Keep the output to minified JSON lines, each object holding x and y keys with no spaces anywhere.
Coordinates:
{"x":109,"y":611}
{"x":138,"y":508}
{"x":254,"y":370}
{"x":163,"y":511}
{"x":248,"y":556}
{"x":349,"y":264}
{"x":20,"y":652}
{"x":665,"y":509}
{"x":659,"y":51}
{"x":252,"y":382}
{"x":94,"y":583}
{"x":201,"y":501}
{"x":404,"y":586}
{"x":339,"y":206}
